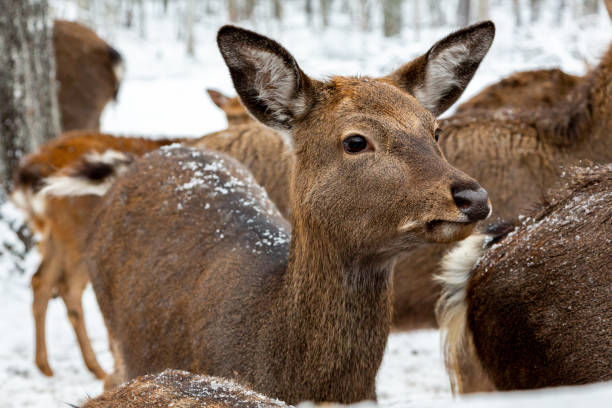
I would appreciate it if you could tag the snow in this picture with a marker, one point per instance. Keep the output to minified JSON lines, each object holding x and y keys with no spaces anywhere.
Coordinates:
{"x":163,"y":94}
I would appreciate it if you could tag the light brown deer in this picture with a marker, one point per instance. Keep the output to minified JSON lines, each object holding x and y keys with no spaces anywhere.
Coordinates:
{"x":89,"y":72}
{"x":536,"y":309}
{"x":61,"y":222}
{"x":184,"y":390}
{"x":517,"y":157}
{"x":234,"y":111}
{"x":194,"y":268}
{"x":523,"y":90}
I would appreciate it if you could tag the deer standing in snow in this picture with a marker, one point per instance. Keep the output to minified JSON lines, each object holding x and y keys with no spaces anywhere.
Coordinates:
{"x":194,"y":268}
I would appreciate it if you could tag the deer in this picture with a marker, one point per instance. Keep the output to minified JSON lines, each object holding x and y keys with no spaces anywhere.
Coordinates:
{"x":517,"y":156}
{"x":61,"y":221}
{"x":532,"y":308}
{"x":219,"y":283}
{"x":184,"y":389}
{"x":235,"y":113}
{"x":523,"y":90}
{"x":89,"y":72}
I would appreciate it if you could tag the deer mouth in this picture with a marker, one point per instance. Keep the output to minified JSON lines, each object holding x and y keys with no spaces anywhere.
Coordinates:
{"x":444,"y":231}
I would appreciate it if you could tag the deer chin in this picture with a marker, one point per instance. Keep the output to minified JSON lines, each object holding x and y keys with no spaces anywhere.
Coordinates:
{"x":443,"y":231}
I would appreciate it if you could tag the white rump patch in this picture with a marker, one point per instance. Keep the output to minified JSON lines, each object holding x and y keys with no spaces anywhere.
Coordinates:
{"x":440,"y":75}
{"x":451,"y":309}
{"x":119,"y":71}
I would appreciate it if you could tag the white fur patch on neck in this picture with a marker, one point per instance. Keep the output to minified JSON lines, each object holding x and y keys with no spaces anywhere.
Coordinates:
{"x":440,"y":75}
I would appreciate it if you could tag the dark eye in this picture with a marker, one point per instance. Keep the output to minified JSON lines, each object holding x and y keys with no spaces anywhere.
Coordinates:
{"x":437,"y":134}
{"x":355,"y":144}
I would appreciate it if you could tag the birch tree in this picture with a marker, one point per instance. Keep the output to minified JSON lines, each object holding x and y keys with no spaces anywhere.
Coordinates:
{"x":29,"y":110}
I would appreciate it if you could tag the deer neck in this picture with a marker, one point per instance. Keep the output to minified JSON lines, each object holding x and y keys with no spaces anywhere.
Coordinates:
{"x":338,"y":317}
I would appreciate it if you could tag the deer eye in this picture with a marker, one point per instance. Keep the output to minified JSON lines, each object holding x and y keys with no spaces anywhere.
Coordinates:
{"x":437,"y":134}
{"x":355,"y":144}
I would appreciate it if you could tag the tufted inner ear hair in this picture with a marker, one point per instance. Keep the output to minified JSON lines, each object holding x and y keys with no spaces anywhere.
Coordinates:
{"x":267,"y":78}
{"x":439,"y":77}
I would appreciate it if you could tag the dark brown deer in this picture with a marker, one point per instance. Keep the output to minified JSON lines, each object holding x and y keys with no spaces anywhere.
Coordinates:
{"x":194,"y":268}
{"x":234,"y":111}
{"x":535,"y":310}
{"x":516,"y":156}
{"x":184,"y":390}
{"x":89,"y":72}
{"x":523,"y":90}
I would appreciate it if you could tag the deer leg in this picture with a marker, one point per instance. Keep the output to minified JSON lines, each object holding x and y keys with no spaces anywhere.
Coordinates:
{"x":118,"y":376}
{"x":71,"y":292}
{"x":41,"y":289}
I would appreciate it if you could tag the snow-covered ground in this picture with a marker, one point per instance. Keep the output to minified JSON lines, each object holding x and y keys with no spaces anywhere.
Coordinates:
{"x":163,"y":94}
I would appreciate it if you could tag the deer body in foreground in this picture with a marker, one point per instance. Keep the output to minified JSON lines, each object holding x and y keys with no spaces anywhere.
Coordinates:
{"x":195,"y":269}
{"x":89,"y":72}
{"x":536,"y":309}
{"x":61,"y":218}
{"x":184,"y":390}
{"x":517,"y":157}
{"x":61,"y":222}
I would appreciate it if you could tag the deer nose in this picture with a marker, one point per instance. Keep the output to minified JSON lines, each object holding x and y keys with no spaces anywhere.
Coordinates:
{"x":472,"y":200}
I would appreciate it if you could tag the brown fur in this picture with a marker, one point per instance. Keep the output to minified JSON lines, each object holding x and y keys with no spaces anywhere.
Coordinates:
{"x":523,"y":90}
{"x":184,"y":390}
{"x":516,"y":157}
{"x":540,"y":302}
{"x":62,"y":227}
{"x":86,"y":72}
{"x":208,"y":288}
{"x":234,"y":111}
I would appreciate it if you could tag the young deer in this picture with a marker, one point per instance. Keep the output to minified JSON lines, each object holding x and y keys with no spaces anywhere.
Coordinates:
{"x":215,"y":285}
{"x":61,"y":222}
{"x":516,"y":156}
{"x":184,"y":390}
{"x":523,"y":90}
{"x":234,"y":111}
{"x":535,"y":310}
{"x":89,"y":72}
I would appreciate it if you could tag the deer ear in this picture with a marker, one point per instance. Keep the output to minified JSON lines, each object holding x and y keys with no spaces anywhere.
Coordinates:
{"x":267,"y":78}
{"x":439,"y":77}
{"x":217,"y":97}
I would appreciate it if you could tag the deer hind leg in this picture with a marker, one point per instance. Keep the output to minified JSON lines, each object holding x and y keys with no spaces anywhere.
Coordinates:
{"x":118,"y":376}
{"x":71,"y":290}
{"x":42,"y":287}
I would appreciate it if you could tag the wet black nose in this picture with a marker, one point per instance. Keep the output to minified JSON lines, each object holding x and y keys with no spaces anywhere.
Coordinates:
{"x":472,"y":200}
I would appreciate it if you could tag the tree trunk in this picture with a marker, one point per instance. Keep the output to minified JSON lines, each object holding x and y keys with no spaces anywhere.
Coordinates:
{"x":277,"y":6}
{"x":364,"y":15}
{"x":483,"y":10}
{"x":308,"y":10}
{"x":516,"y":5}
{"x":189,"y":25}
{"x":325,"y":6}
{"x":437,"y":16}
{"x":392,"y":16}
{"x":232,"y":10}
{"x":590,"y":7}
{"x":29,"y":112}
{"x":536,"y":6}
{"x":249,"y":9}
{"x":416,"y":18}
{"x":463,"y":13}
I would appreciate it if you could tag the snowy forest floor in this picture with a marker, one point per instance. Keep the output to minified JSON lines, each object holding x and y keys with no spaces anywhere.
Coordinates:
{"x":163,"y":95}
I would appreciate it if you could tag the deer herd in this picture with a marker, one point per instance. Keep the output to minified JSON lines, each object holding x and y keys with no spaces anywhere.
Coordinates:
{"x":267,"y":263}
